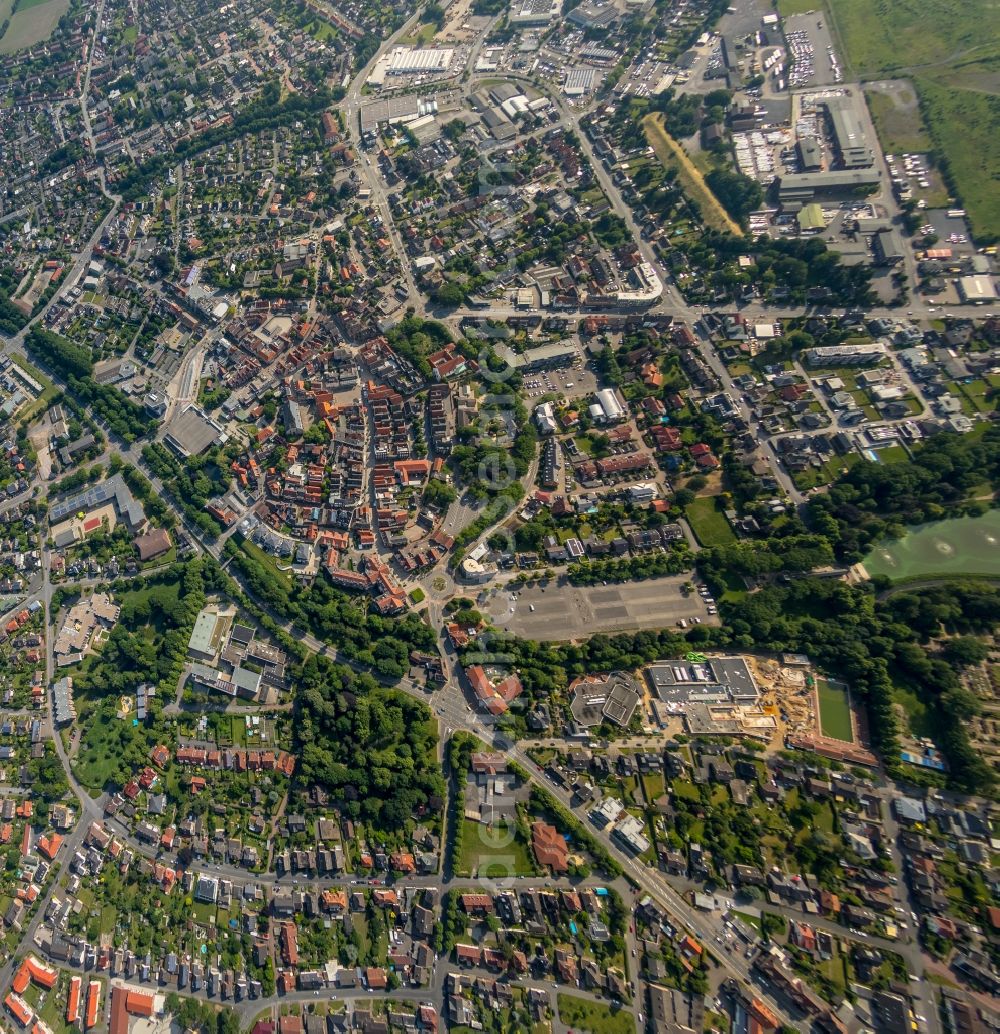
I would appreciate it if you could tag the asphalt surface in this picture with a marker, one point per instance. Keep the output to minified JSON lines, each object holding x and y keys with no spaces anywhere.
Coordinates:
{"x":563,"y":611}
{"x":597,"y":610}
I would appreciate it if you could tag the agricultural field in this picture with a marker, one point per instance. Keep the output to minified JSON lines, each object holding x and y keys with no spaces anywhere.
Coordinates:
{"x":33,"y":22}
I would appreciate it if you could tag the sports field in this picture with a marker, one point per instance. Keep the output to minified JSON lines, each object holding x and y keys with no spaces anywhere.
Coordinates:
{"x":834,"y":712}
{"x":964,"y":545}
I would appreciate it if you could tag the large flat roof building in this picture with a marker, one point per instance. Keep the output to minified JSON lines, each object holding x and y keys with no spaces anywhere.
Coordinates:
{"x":850,"y":144}
{"x":210,"y":628}
{"x":807,"y":186}
{"x":715,"y":680}
{"x":62,"y":693}
{"x":548,"y":357}
{"x":113,"y":490}
{"x":595,"y":698}
{"x":533,"y":12}
{"x":192,"y":431}
{"x":845,"y":355}
{"x":977,"y":290}
{"x":411,"y":61}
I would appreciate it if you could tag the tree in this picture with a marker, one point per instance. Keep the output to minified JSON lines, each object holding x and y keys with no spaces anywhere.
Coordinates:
{"x":450,"y":295}
{"x":738,"y":194}
{"x":965,"y":651}
{"x":453,"y":129}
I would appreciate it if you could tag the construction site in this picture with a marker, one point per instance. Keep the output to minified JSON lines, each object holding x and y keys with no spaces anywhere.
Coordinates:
{"x":779,"y":701}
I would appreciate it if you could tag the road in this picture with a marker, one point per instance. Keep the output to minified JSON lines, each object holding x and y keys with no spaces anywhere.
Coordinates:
{"x":351,"y":108}
{"x":453,"y":714}
{"x":448,"y":702}
{"x":85,"y":86}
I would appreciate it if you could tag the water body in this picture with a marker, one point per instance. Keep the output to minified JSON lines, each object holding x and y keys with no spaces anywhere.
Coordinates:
{"x":963,"y":545}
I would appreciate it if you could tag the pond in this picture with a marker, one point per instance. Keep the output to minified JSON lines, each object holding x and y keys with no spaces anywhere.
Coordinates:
{"x":963,"y":545}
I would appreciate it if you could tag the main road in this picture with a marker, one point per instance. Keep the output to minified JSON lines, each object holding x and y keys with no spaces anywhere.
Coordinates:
{"x":449,"y":703}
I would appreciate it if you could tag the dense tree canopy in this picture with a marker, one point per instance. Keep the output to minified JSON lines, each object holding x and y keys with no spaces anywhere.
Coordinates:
{"x":875,"y":500}
{"x":373,"y":748}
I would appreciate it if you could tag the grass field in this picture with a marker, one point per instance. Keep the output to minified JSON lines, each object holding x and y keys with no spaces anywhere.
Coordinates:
{"x":964,"y":124}
{"x":33,"y":23}
{"x":593,"y":1017}
{"x":492,"y":853}
{"x":881,"y":39}
{"x":834,"y":712}
{"x":898,"y":121}
{"x":958,"y":546}
{"x":672,"y":155}
{"x":952,"y":57}
{"x":266,"y":560}
{"x":919,"y":721}
{"x":787,"y":8}
{"x":421,"y":35}
{"x":708,"y":522}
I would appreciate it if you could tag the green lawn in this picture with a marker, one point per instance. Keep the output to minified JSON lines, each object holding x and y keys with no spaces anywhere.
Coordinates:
{"x":492,"y":853}
{"x":898,"y":122}
{"x":893,"y":454}
{"x":708,"y":522}
{"x":108,"y":919}
{"x":919,"y":718}
{"x":92,"y":766}
{"x":253,"y":550}
{"x":827,"y":472}
{"x":582,"y":1014}
{"x":751,"y":920}
{"x":688,"y":791}
{"x":422,"y":35}
{"x":834,"y":712}
{"x":652,"y":786}
{"x":976,"y":392}
{"x":789,"y":7}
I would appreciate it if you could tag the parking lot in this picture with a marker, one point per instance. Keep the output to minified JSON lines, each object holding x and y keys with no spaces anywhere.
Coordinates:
{"x":574,"y":382}
{"x":816,"y":61}
{"x":951,"y":230}
{"x":564,"y":611}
